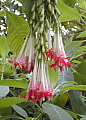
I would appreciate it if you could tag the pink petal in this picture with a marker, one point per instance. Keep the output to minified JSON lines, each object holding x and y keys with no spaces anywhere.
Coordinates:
{"x":10,"y":61}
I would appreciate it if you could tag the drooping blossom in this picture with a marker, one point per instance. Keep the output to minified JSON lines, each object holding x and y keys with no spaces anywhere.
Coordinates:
{"x":56,"y":54}
{"x":39,"y":88}
{"x":25,"y":59}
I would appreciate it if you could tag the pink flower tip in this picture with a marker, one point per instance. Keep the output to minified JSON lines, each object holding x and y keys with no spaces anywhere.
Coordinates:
{"x":22,"y":95}
{"x":10,"y":61}
{"x":35,"y":95}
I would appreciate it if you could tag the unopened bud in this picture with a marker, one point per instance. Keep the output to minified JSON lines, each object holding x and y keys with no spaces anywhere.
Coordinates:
{"x":41,"y":29}
{"x":49,"y":7}
{"x":33,"y":8}
{"x":42,"y":42}
{"x":43,"y":48}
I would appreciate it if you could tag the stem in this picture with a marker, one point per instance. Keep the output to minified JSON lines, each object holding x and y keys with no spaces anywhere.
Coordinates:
{"x":40,"y":113}
{"x":39,"y":107}
{"x":73,"y":70}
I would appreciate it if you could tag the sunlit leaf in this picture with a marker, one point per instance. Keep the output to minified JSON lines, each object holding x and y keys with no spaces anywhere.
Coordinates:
{"x":73,"y":87}
{"x":76,"y":61}
{"x":7,"y":102}
{"x":68,"y":13}
{"x":83,"y":34}
{"x":17,"y":31}
{"x":82,"y":2}
{"x":3,"y":46}
{"x":53,"y":75}
{"x":14,"y":83}
{"x":65,"y":17}
{"x":56,"y":113}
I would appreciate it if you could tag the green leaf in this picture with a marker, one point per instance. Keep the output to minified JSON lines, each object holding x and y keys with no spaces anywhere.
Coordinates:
{"x":72,"y":48}
{"x":76,"y":61}
{"x":7,"y":102}
{"x":83,"y":3}
{"x":64,"y":83}
{"x":66,"y":17}
{"x":20,"y":111}
{"x":27,"y":4}
{"x":83,"y":34}
{"x":80,"y":73}
{"x":64,"y":76}
{"x":53,"y":75}
{"x":81,"y":69}
{"x":77,"y":103}
{"x":6,"y":111}
{"x":17,"y":31}
{"x":81,"y":52}
{"x":14,"y":83}
{"x":74,"y":115}
{"x":83,"y":119}
{"x":56,"y":113}
{"x":60,"y":100}
{"x":30,"y":119}
{"x":7,"y":117}
{"x":2,"y":14}
{"x":79,"y":78}
{"x":73,"y":87}
{"x":68,"y":41}
{"x":3,"y":46}
{"x":8,"y":71}
{"x":83,"y":116}
{"x":70,"y":3}
{"x":68,"y":12}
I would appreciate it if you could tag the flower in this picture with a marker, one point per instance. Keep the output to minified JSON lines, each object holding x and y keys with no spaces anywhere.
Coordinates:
{"x":39,"y":88}
{"x":57,"y":55}
{"x":25,"y":59}
{"x":31,"y":66}
{"x":22,"y":95}
{"x":21,"y":63}
{"x":50,"y":54}
{"x":61,"y":63}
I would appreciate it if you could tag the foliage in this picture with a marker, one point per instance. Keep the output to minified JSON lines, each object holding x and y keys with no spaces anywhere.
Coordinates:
{"x":69,"y":100}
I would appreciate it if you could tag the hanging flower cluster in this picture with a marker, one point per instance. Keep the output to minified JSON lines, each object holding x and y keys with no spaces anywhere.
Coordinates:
{"x":39,"y":88}
{"x":57,"y":54}
{"x":38,"y":49}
